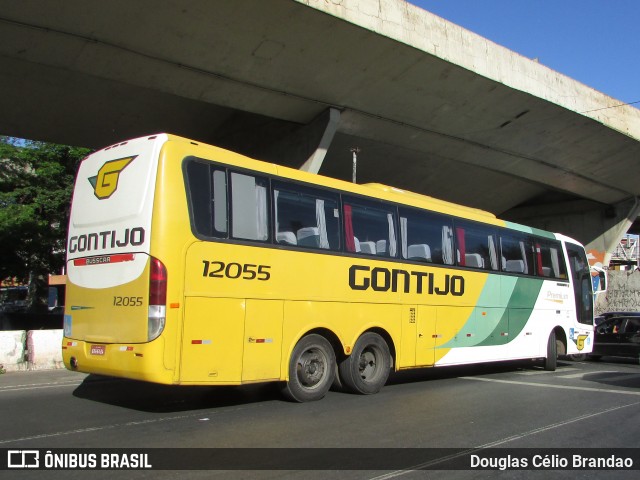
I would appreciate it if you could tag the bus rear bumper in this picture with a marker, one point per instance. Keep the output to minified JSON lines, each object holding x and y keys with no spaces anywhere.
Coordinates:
{"x":134,"y":361}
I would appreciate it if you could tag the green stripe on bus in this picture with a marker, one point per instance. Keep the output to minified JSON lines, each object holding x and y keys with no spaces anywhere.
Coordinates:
{"x":501,"y":322}
{"x":519,"y":307}
{"x":531,"y":230}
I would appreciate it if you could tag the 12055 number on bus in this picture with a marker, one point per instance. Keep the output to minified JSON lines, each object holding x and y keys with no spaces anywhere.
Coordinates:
{"x":233,"y":270}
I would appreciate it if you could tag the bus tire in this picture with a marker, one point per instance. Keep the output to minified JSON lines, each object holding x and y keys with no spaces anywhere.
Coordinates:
{"x":312,"y":367}
{"x":366,"y":370}
{"x":551,"y":360}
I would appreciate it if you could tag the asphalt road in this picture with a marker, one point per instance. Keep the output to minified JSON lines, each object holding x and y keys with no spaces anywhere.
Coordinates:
{"x":448,"y":412}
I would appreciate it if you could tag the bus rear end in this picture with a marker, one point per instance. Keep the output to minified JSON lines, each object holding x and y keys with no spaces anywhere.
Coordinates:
{"x":116,"y":294}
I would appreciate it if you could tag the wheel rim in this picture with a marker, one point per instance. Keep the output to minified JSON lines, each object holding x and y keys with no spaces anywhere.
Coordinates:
{"x":312,"y":367}
{"x":368,"y":364}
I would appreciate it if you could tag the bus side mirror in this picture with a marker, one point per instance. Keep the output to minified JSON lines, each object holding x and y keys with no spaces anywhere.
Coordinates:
{"x":599,"y":280}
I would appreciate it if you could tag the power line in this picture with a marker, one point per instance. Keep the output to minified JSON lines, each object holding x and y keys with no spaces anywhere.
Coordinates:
{"x":612,"y":106}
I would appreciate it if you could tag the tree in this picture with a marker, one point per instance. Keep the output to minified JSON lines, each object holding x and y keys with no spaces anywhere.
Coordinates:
{"x":36,"y":181}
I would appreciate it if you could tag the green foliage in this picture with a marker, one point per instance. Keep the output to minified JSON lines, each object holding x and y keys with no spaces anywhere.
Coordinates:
{"x":36,"y":180}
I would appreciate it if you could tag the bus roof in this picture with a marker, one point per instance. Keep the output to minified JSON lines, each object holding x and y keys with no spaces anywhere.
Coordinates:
{"x":377,"y":190}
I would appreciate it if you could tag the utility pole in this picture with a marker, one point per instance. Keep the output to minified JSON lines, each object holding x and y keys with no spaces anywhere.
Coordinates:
{"x":355,"y":151}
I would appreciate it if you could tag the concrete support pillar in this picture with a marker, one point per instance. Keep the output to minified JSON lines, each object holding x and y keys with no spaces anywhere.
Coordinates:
{"x":277,"y":141}
{"x":327,"y":124}
{"x":599,"y":227}
{"x":620,"y":217}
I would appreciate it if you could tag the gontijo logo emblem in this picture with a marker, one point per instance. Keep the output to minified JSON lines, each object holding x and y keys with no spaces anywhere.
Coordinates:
{"x":106,"y":182}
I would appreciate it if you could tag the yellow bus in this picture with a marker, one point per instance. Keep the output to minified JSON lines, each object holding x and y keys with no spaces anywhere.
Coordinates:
{"x":189,"y":264}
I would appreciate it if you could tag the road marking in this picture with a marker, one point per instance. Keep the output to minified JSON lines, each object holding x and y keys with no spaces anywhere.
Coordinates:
{"x":583,"y":373}
{"x":518,"y":436}
{"x":129,"y":424}
{"x":36,"y":386}
{"x":572,"y":375}
{"x":548,"y":385}
{"x":545,"y":372}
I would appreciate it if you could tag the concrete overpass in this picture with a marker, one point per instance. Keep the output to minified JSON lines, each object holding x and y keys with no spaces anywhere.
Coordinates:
{"x":434,"y":108}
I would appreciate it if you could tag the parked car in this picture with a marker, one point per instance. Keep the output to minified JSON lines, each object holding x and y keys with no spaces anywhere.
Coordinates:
{"x":601,"y":318}
{"x":617,"y":336}
{"x":579,"y":357}
{"x":13,"y":299}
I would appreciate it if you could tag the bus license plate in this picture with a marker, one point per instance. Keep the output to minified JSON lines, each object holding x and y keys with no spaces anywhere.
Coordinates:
{"x":98,"y":349}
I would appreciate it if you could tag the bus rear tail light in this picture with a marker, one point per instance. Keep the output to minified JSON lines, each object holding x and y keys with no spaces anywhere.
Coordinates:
{"x":157,"y":299}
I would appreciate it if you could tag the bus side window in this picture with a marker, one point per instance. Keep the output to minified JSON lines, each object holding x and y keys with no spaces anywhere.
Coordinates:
{"x":516,"y":253}
{"x":249,"y":209}
{"x":220,"y":202}
{"x":370,"y":228}
{"x":207,"y":195}
{"x":425,"y":237}
{"x":306,"y":217}
{"x":475,"y":246}
{"x":549,"y":261}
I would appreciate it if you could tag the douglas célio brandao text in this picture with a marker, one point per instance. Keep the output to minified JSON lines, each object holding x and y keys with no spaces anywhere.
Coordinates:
{"x":550,"y":461}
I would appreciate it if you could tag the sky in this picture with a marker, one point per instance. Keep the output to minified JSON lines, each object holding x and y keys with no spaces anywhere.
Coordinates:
{"x":596,"y":42}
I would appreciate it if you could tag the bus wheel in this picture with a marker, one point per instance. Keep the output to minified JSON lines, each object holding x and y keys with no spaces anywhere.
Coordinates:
{"x":366,"y":370}
{"x":311,"y":369}
{"x":551,"y":360}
